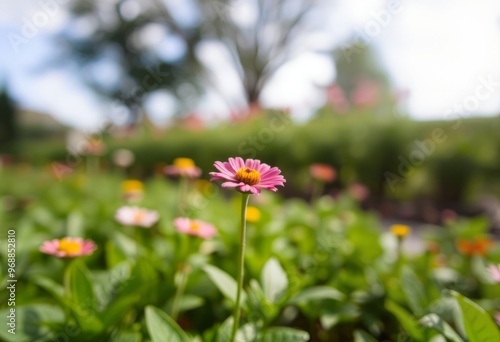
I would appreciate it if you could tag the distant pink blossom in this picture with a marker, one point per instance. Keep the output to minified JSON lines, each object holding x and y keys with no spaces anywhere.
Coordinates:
{"x":366,"y":93}
{"x":135,"y":216}
{"x":359,"y":191}
{"x":494,"y":271}
{"x":68,"y":247}
{"x":248,"y":176}
{"x":336,"y":98}
{"x":322,"y":172}
{"x":449,"y":216}
{"x":194,"y":227}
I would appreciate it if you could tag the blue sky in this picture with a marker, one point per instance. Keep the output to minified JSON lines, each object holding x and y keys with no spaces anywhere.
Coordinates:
{"x":443,"y":52}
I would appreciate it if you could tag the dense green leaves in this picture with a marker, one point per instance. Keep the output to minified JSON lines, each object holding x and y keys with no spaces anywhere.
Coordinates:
{"x":284,"y":335}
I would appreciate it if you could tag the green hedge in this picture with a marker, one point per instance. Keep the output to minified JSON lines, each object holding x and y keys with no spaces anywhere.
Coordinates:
{"x":449,"y":160}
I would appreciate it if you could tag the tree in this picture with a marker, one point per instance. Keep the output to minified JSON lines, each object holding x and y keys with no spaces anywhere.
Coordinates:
{"x":258,"y":48}
{"x":8,"y":125}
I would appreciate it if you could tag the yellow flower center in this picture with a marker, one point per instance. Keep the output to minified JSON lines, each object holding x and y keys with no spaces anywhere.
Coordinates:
{"x":248,"y":176}
{"x":138,"y":216}
{"x":69,"y":247}
{"x":184,"y":163}
{"x":195,"y":226}
{"x":400,"y":230}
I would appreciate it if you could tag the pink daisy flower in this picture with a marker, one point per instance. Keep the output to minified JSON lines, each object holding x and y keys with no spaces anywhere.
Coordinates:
{"x":135,"y":216}
{"x":248,"y":176}
{"x":68,"y":247}
{"x":494,"y":272}
{"x":194,"y":227}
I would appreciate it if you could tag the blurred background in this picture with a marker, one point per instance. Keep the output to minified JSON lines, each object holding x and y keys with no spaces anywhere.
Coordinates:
{"x":400,"y":98}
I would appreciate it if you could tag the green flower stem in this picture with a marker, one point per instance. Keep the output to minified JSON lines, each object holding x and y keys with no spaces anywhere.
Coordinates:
{"x":399,"y":259}
{"x":179,"y":292}
{"x":92,"y":165}
{"x":317,"y":190}
{"x":182,"y":199}
{"x":138,"y":240}
{"x":244,"y":204}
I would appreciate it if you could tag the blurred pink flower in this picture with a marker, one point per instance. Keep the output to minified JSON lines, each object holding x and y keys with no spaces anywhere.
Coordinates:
{"x":366,"y":93}
{"x":494,"y":271}
{"x":336,"y":98}
{"x":497,"y":318}
{"x":448,"y":216}
{"x":248,"y":176}
{"x":359,"y":191}
{"x":68,"y":247}
{"x":94,"y":147}
{"x":322,"y":172}
{"x":135,"y":216}
{"x":183,"y":167}
{"x":194,"y":227}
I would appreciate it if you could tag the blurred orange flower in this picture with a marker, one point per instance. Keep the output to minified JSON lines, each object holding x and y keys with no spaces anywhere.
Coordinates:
{"x":477,"y":246}
{"x":322,"y":172}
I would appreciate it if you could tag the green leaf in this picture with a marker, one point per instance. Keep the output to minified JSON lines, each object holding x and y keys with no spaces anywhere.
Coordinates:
{"x":284,"y":335}
{"x":127,"y":336}
{"x":317,"y":293}
{"x":190,"y":302}
{"x":162,"y":328}
{"x":29,"y":322}
{"x":117,"y":309}
{"x":246,"y":333}
{"x":143,"y":282}
{"x":414,"y":291}
{"x":224,"y":282}
{"x":126,"y":245}
{"x":274,"y":280}
{"x":224,"y":331}
{"x":363,"y":336}
{"x":78,"y":286}
{"x":435,"y":322}
{"x":81,"y":296}
{"x":74,"y":225}
{"x":479,"y":326}
{"x":51,"y":286}
{"x":405,"y":319}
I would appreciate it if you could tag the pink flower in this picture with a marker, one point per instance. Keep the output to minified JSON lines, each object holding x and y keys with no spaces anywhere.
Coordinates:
{"x":135,"y":216}
{"x":359,"y":191}
{"x":322,"y":172}
{"x":183,"y":167}
{"x":194,"y":227}
{"x":249,"y":176}
{"x":68,"y":247}
{"x":494,"y":272}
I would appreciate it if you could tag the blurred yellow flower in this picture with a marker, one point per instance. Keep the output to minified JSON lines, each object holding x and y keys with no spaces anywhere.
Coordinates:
{"x":132,"y":185}
{"x":400,"y":230}
{"x":133,"y":190}
{"x":253,"y":214}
